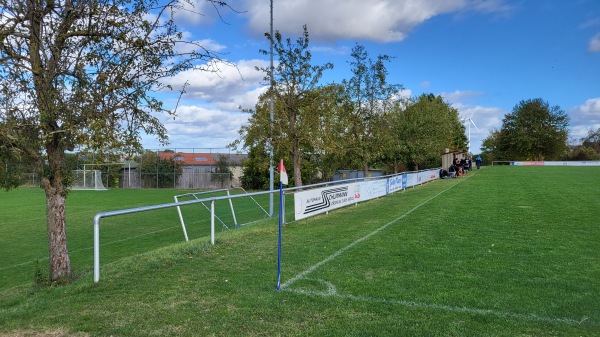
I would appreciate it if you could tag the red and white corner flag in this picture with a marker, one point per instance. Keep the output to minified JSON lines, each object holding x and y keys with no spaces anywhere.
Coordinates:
{"x":283,"y":177}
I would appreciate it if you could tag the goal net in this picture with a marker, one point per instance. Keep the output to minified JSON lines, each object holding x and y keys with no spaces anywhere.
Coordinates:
{"x":87,"y":180}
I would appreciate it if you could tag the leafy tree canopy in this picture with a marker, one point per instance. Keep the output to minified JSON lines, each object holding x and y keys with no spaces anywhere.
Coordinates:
{"x":84,"y":74}
{"x":533,"y":131}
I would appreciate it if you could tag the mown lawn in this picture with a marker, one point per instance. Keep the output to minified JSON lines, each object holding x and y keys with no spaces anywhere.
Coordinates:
{"x":508,"y":251}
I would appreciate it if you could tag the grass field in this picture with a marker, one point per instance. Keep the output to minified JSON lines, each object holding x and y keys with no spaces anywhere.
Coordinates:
{"x":508,"y":251}
{"x":23,"y":238}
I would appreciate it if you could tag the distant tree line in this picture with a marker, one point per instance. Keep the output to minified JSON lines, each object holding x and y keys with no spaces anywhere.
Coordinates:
{"x":535,"y":130}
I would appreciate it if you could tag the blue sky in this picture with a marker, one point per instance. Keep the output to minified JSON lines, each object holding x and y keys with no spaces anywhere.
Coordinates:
{"x":482,"y":56}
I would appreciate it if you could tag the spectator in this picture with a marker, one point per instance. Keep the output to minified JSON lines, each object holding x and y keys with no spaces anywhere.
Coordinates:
{"x":459,"y":167}
{"x":478,"y":162}
{"x":452,"y":171}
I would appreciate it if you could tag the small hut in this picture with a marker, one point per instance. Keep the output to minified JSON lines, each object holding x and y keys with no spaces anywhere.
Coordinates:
{"x":450,"y":156}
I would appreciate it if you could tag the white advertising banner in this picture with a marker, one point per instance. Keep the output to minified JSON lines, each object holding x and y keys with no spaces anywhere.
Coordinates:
{"x":321,"y":200}
{"x":556,"y":163}
{"x":412,"y":179}
{"x":372,"y":189}
{"x":396,"y":183}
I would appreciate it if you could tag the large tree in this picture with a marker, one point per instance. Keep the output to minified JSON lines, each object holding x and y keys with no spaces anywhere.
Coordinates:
{"x":83,"y":73}
{"x":369,"y":96}
{"x":533,"y":131}
{"x":295,"y":92}
{"x":424,"y":128}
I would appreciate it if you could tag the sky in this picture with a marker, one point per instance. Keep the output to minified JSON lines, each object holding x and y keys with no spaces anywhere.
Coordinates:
{"x":482,"y":56}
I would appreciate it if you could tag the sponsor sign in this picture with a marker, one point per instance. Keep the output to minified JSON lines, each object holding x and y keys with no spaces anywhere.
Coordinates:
{"x":412,"y":179}
{"x":321,"y":200}
{"x":373,"y":189}
{"x":396,"y":183}
{"x":556,"y":163}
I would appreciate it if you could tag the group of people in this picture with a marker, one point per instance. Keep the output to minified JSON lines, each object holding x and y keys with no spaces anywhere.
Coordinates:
{"x":460,"y":167}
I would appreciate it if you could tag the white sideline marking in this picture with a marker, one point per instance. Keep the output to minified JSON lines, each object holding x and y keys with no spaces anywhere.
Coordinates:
{"x":339,"y":252}
{"x":420,"y":305}
{"x":332,"y":290}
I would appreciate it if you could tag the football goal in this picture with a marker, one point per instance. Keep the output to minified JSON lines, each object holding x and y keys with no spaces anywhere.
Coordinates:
{"x":87,"y":180}
{"x":244,"y":210}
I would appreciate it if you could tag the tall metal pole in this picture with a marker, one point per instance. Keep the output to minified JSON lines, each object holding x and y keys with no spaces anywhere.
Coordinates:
{"x":272,"y":121}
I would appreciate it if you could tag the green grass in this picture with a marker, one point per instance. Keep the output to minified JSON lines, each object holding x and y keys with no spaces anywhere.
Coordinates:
{"x":23,"y":238}
{"x":508,"y":251}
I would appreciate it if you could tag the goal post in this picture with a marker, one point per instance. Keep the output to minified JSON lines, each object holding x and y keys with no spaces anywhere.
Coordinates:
{"x":88,"y":180}
{"x":247,"y":205}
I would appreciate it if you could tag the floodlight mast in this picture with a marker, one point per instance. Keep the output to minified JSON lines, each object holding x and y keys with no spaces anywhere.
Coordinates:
{"x":271,"y":178}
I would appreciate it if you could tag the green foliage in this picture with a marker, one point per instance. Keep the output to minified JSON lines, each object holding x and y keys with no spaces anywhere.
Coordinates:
{"x":84,"y":74}
{"x":422,"y":130}
{"x":40,"y":279}
{"x":533,"y":131}
{"x":298,"y":105}
{"x":159,"y":172}
{"x":256,"y":170}
{"x":584,"y":152}
{"x":223,"y":173}
{"x":592,"y":140}
{"x":368,"y":97}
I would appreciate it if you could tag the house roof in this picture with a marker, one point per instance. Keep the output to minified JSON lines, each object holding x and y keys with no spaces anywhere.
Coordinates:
{"x":203,"y":159}
{"x":233,"y":159}
{"x":198,"y":159}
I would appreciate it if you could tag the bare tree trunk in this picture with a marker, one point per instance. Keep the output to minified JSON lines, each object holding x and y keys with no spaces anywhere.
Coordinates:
{"x":297,"y":163}
{"x":60,"y":263}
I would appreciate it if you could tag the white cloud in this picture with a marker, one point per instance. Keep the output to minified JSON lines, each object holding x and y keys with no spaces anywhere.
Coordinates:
{"x":587,"y":112}
{"x":376,"y":20}
{"x":209,"y":112}
{"x":222,"y":86}
{"x":194,"y":12}
{"x":585,"y":117}
{"x":201,"y":127}
{"x":206,"y":44}
{"x":485,"y":119}
{"x":460,"y":95}
{"x":594,"y":46}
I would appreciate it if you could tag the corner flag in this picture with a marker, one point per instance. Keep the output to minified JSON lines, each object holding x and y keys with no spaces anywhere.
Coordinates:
{"x":283,"y":180}
{"x":283,"y":177}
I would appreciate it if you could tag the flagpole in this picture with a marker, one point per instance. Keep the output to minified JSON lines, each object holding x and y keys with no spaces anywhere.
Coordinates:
{"x":279,"y":236}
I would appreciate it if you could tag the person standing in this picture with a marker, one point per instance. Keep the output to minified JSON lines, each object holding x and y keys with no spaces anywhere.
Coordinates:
{"x":478,"y":162}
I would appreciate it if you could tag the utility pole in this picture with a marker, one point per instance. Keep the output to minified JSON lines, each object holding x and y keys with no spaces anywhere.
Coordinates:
{"x":272,"y":121}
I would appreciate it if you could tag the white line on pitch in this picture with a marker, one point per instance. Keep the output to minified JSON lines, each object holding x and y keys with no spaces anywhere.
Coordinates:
{"x":339,"y":252}
{"x":451,"y":308}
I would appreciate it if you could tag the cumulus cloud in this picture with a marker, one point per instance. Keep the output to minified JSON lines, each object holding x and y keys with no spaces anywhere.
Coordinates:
{"x":585,"y":117}
{"x":485,"y":120}
{"x":229,"y":82}
{"x":375,"y":20}
{"x":594,"y":46}
{"x":208,"y":114}
{"x":201,"y":127}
